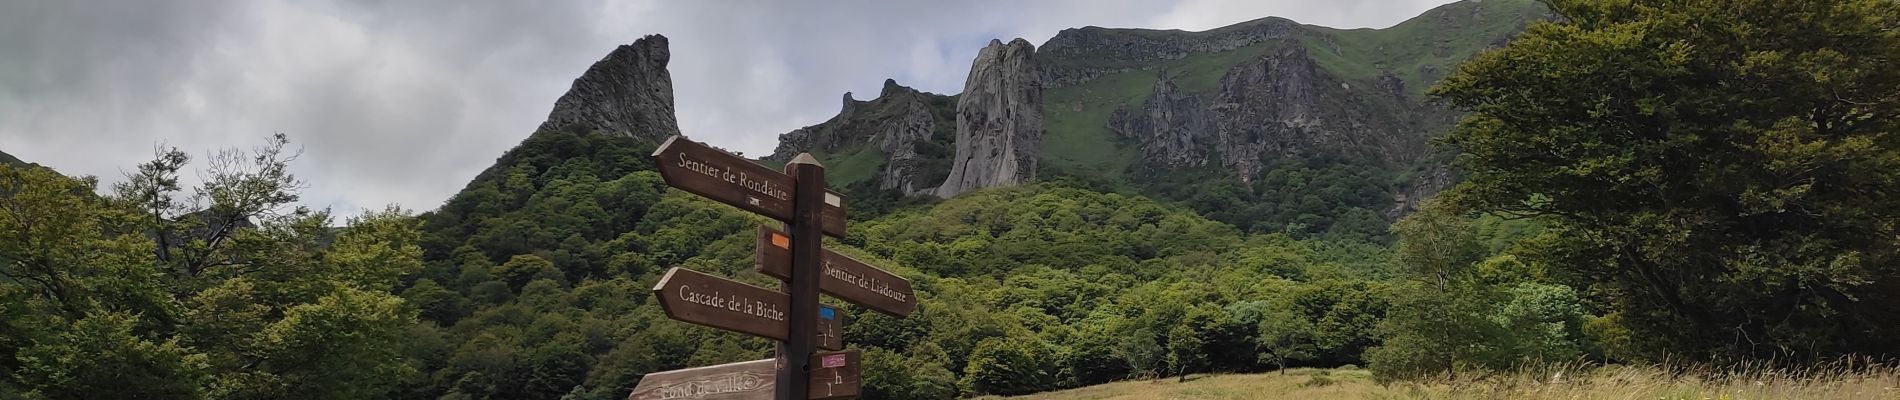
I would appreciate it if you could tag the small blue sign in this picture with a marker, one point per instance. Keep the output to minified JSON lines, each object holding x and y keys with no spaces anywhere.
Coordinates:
{"x":827,"y":313}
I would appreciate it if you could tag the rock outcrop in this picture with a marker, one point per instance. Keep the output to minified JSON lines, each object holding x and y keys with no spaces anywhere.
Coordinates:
{"x":1171,"y":129}
{"x":1424,"y":186}
{"x":627,"y":93}
{"x":904,"y":168}
{"x":901,"y":123}
{"x":1283,"y":104}
{"x":999,"y":120}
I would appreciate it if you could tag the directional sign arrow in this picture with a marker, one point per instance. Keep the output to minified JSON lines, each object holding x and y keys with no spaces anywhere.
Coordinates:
{"x":721,"y":303}
{"x":726,"y":178}
{"x":834,"y":375}
{"x":843,"y":276}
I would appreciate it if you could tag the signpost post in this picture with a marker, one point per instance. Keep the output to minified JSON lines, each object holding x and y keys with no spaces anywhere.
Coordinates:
{"x":794,"y":317}
{"x":808,"y":201}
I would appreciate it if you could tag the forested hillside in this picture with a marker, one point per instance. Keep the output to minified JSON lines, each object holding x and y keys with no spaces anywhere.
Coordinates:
{"x":533,"y":289}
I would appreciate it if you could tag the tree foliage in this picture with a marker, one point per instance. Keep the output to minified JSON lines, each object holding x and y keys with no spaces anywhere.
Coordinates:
{"x":1724,"y":171}
{"x":225,"y":292}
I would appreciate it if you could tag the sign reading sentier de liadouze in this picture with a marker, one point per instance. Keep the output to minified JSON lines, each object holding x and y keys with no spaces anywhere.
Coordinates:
{"x":730,"y":179}
{"x":844,"y":277}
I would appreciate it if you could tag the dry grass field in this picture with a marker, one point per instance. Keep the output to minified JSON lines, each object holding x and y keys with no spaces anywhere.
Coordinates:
{"x":1604,"y":383}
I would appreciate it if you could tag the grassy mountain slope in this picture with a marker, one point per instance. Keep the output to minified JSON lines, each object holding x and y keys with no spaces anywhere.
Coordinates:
{"x":1419,"y":51}
{"x":1369,"y":65}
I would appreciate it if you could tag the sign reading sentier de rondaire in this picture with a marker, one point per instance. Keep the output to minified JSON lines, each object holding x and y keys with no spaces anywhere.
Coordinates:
{"x":726,"y":178}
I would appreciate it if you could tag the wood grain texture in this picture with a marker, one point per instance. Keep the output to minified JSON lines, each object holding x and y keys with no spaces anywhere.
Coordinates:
{"x":835,"y":375}
{"x":717,"y":302}
{"x":726,"y":178}
{"x":843,"y":276}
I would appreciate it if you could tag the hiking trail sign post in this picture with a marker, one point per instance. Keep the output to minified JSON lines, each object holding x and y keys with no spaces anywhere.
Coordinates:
{"x":725,"y":304}
{"x":792,"y":315}
{"x":843,"y":276}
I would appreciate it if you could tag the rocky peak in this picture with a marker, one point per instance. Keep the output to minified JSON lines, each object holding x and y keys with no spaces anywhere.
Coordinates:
{"x":1171,"y":128}
{"x":891,"y":87}
{"x":999,"y":120}
{"x":627,"y":93}
{"x":1283,"y":104}
{"x":850,"y":105}
{"x":899,"y":122}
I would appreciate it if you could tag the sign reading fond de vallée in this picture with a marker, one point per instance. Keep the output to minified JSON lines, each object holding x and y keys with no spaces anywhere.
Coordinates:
{"x":834,"y":375}
{"x":716,"y":302}
{"x":726,"y":178}
{"x":845,"y":277}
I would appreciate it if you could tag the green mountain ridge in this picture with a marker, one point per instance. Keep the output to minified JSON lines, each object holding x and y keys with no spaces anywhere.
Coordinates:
{"x":1359,"y":120}
{"x":9,"y":159}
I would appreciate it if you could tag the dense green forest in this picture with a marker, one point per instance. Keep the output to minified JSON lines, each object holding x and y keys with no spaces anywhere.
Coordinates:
{"x":1710,"y":181}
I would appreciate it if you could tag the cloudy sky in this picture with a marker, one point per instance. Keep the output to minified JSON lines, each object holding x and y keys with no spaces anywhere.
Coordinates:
{"x":405,"y":101}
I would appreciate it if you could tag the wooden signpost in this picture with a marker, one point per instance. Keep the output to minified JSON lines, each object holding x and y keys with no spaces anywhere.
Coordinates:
{"x":793,"y":315}
{"x":836,"y":376}
{"x":734,"y":180}
{"x":721,"y":303}
{"x":843,"y":276}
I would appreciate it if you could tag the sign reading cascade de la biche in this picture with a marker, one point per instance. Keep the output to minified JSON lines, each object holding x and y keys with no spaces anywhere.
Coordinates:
{"x":721,"y":303}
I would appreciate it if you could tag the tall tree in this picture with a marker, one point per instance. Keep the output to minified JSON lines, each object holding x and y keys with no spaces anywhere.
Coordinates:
{"x":1727,"y":171}
{"x":1437,"y":322}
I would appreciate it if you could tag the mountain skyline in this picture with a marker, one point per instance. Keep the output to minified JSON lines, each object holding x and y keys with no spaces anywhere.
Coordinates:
{"x":398,"y":104}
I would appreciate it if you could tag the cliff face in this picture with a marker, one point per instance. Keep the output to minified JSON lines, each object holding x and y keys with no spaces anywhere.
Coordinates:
{"x":999,"y":120}
{"x":1239,"y":103}
{"x":1283,"y":104}
{"x":1171,"y":129}
{"x":627,"y":93}
{"x":910,"y":130}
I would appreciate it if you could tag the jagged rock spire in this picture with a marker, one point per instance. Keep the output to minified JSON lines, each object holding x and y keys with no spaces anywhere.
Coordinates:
{"x":627,"y":93}
{"x":999,"y":120}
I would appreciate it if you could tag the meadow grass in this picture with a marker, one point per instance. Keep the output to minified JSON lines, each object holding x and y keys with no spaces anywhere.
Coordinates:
{"x":1569,"y":382}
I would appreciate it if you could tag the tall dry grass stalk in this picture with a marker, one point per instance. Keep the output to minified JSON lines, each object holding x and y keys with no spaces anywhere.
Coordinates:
{"x":1843,"y":379}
